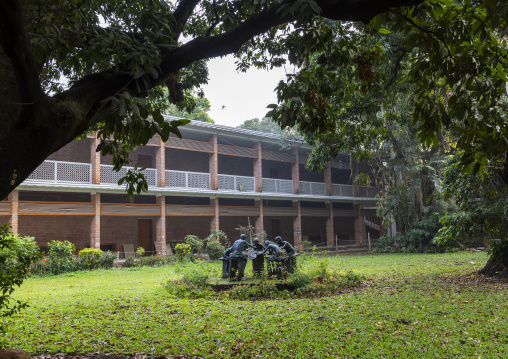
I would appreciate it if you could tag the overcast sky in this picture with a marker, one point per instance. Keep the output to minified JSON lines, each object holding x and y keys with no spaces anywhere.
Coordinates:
{"x":243,"y":95}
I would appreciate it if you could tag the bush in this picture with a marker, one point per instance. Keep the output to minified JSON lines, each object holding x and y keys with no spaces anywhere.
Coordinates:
{"x":130,"y":262}
{"x":107,"y":260}
{"x":194,"y":242}
{"x":219,"y":236}
{"x":90,"y":258}
{"x":17,"y":254}
{"x":61,"y":257}
{"x":214,"y":250}
{"x":140,"y":252}
{"x":182,"y":250}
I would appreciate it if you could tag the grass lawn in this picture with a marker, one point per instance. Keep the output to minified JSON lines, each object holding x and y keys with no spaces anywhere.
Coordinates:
{"x":413,"y":306}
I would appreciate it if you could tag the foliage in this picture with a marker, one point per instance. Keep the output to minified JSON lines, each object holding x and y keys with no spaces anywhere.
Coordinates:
{"x":61,"y":256}
{"x":107,"y":260}
{"x":265,"y":125}
{"x":16,"y":256}
{"x":195,"y":243}
{"x":219,"y":236}
{"x":130,"y":262}
{"x":140,"y":251}
{"x":182,"y":250}
{"x":90,"y":258}
{"x":199,"y":113}
{"x":214,"y":250}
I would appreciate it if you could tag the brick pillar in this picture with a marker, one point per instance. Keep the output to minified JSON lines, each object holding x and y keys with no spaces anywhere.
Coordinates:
{"x":359,"y":226}
{"x":259,"y":225}
{"x":258,"y":169}
{"x":95,"y":230}
{"x":214,"y":221}
{"x":160,"y":163}
{"x":297,"y":225}
{"x":213,"y":164}
{"x":14,"y":199}
{"x":328,"y":179}
{"x":295,"y":171}
{"x":160,"y":228}
{"x":95,"y":160}
{"x":329,"y":227}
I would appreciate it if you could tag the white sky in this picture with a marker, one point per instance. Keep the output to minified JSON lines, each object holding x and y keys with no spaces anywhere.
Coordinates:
{"x":244,"y":95}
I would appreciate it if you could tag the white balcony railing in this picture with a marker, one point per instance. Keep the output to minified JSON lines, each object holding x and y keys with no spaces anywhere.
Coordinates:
{"x":313,"y":188}
{"x":185,"y":179}
{"x":344,"y":190}
{"x":58,"y":171}
{"x":236,"y":183}
{"x":108,"y":175}
{"x":277,"y":185}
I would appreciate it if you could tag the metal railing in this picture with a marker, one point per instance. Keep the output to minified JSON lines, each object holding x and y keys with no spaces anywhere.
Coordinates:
{"x":369,"y":192}
{"x":59,"y":171}
{"x":108,"y":175}
{"x":236,"y":183}
{"x":313,"y":188}
{"x":184,"y":179}
{"x":344,"y":190}
{"x":277,"y":185}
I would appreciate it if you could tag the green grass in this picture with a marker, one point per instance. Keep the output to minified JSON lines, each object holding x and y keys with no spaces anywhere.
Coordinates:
{"x":413,"y":306}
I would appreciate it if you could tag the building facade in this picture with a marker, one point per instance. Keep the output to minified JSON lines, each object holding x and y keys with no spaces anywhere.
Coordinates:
{"x":216,"y":177}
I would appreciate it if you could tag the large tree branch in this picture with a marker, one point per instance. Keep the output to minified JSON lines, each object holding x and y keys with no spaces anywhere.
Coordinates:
{"x":15,"y":45}
{"x":182,"y":13}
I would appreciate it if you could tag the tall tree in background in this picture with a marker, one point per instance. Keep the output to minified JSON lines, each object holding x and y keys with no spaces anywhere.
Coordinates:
{"x":200,"y":108}
{"x":265,"y":125}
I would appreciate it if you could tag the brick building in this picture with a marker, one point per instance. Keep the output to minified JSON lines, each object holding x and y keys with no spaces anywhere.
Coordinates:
{"x":216,"y":177}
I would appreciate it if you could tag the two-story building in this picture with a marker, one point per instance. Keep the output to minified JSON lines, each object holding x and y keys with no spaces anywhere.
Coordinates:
{"x":216,"y":177}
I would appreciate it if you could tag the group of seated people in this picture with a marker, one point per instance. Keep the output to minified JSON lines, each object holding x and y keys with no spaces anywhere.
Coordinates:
{"x":238,"y":258}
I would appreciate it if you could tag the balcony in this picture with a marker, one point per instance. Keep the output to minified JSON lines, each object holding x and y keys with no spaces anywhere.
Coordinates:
{"x":57,"y":171}
{"x":74,"y":172}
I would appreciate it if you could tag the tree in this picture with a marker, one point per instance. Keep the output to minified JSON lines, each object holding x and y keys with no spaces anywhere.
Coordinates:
{"x":265,"y":125}
{"x":115,"y":53}
{"x":199,"y":113}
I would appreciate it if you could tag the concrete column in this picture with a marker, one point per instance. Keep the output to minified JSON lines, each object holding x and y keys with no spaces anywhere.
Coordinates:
{"x":160,"y":228}
{"x":259,"y":225}
{"x":258,"y":169}
{"x":328,"y":179}
{"x":160,"y":163}
{"x":214,"y":221}
{"x":95,"y":230}
{"x":359,"y":226}
{"x":329,"y":227}
{"x":295,"y":171}
{"x":14,"y":199}
{"x":95,"y":160}
{"x":213,"y":164}
{"x":297,"y":225}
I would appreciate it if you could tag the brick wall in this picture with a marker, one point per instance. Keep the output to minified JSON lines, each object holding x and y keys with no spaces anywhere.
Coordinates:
{"x":344,"y":228}
{"x":238,"y":166}
{"x":306,"y":175}
{"x":229,"y":223}
{"x":179,"y":227}
{"x":75,"y":229}
{"x":314,"y":229}
{"x":120,"y":230}
{"x":143,"y":150}
{"x":4,"y":220}
{"x":181,"y":160}
{"x":75,"y":151}
{"x":286,"y":228}
{"x":283,"y":169}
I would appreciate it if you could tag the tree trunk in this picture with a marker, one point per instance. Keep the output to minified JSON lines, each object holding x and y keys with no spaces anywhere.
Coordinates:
{"x":497,"y":265}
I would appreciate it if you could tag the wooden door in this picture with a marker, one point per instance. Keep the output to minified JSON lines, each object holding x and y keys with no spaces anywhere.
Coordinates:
{"x":145,"y":234}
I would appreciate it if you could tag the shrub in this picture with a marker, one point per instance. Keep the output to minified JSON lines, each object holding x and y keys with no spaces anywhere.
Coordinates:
{"x":17,"y":254}
{"x":182,"y":250}
{"x":61,"y":256}
{"x":107,"y":260}
{"x":140,"y":251}
{"x":214,"y":250}
{"x":194,"y":242}
{"x":218,"y":236}
{"x":130,"y":262}
{"x":90,"y":258}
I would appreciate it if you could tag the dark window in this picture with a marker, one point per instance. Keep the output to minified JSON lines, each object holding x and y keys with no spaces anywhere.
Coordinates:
{"x":115,"y":198}
{"x":108,"y":247}
{"x":35,"y":196}
{"x":145,"y":199}
{"x":236,"y":202}
{"x":274,"y":173}
{"x":196,"y":201}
